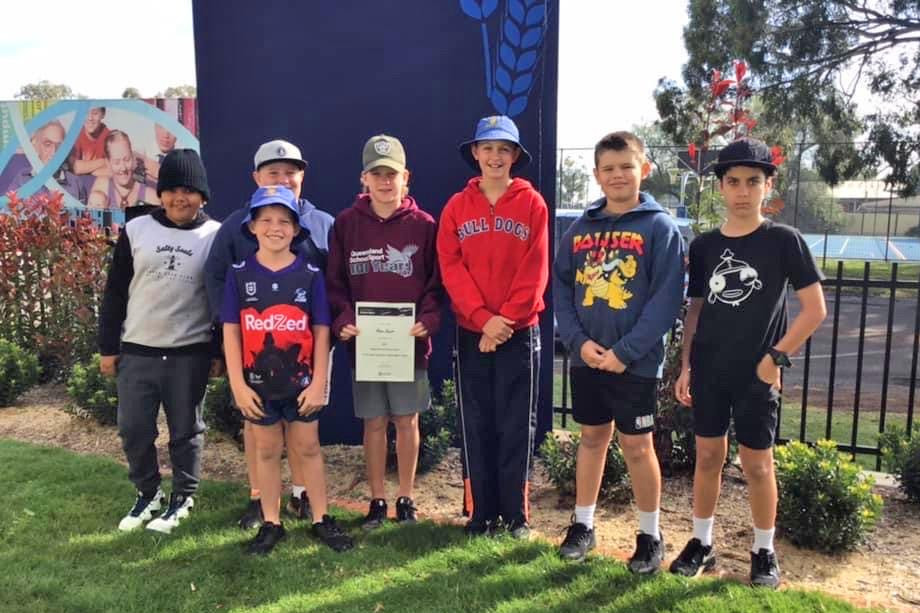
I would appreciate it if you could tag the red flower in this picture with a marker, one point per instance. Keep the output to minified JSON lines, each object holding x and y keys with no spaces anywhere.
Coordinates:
{"x":777,"y":153}
{"x":740,"y":70}
{"x":691,"y":149}
{"x":720,"y":87}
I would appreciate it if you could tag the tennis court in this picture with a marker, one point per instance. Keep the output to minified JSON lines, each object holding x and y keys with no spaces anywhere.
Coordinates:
{"x":849,"y":247}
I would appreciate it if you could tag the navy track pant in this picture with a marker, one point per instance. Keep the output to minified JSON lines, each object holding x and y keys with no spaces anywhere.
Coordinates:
{"x":497,"y":401}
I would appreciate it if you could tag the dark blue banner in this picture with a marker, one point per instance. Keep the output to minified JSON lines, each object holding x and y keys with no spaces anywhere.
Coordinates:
{"x":328,"y":75}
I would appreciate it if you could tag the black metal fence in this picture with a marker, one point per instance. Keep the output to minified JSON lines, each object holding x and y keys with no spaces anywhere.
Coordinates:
{"x":855,"y":376}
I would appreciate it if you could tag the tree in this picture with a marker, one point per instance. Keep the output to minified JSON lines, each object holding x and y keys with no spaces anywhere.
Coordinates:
{"x":807,"y":60}
{"x":131,"y":92}
{"x":179,"y":91}
{"x":45,"y":90}
{"x":573,"y":183}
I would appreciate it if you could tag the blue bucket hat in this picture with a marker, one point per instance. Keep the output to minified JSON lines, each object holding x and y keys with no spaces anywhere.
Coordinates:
{"x":495,"y":127}
{"x":275,"y":194}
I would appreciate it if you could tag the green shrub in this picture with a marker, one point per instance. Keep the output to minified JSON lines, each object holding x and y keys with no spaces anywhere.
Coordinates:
{"x":825,"y":500}
{"x":93,"y":395}
{"x":219,"y":412}
{"x":558,"y":455}
{"x":902,"y":457}
{"x":438,"y":430}
{"x":19,"y":370}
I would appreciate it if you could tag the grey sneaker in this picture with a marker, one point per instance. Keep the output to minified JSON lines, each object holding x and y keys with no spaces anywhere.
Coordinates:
{"x":764,"y":569}
{"x":694,"y":560}
{"x":252,"y":516}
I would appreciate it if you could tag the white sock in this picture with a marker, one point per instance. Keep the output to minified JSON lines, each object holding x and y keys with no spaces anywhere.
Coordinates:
{"x":585,"y":515}
{"x":648,"y":523}
{"x":763,"y":539}
{"x":297,"y":490}
{"x":702,"y":529}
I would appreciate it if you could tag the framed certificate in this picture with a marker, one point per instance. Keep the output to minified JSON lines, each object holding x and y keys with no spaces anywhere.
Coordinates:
{"x":384,"y":350}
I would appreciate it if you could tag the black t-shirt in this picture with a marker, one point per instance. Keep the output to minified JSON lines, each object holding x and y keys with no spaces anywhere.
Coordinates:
{"x":742,"y":281}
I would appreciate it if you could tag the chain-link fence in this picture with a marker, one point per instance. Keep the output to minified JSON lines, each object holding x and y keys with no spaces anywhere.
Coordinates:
{"x":860,"y":219}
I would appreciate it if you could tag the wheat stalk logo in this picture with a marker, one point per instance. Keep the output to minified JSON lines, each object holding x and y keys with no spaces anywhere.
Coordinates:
{"x":522,"y":29}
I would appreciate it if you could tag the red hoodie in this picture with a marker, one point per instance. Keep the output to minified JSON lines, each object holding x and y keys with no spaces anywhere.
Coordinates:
{"x":495,"y":259}
{"x":384,"y":260}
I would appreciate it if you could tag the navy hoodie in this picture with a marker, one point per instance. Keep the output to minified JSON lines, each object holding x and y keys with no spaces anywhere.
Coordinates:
{"x":619,"y":282}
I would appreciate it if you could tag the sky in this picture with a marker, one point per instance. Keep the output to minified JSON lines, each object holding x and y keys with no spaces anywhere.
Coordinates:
{"x":612,"y":54}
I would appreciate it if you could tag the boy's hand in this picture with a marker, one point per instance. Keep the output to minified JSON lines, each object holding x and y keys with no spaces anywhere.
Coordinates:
{"x":486,"y":344}
{"x":768,"y":372}
{"x":592,"y":354}
{"x":348,"y":332}
{"x":498,"y":328}
{"x":248,"y":401}
{"x":419,"y":330}
{"x":108,"y":365}
{"x":682,"y":388}
{"x":611,"y":363}
{"x":217,"y":368}
{"x":311,"y":399}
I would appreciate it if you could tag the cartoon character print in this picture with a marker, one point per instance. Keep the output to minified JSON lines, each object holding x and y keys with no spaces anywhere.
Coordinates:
{"x":733,"y":280}
{"x":604,"y":276}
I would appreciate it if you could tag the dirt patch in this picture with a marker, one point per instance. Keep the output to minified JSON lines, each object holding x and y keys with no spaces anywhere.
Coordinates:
{"x":884,"y":573}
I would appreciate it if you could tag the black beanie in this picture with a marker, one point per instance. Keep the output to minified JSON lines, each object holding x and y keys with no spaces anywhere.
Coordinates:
{"x":183,"y":168}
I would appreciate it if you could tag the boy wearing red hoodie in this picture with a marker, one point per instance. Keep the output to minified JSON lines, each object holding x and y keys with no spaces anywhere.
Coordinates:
{"x":382,"y":249}
{"x":494,"y":256}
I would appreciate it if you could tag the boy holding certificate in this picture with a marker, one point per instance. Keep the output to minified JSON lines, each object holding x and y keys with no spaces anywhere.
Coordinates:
{"x":276,"y":341}
{"x":494,"y":256}
{"x":382,"y":249}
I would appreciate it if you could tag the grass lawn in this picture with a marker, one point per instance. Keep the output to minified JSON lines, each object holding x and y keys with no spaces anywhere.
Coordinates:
{"x":60,"y":551}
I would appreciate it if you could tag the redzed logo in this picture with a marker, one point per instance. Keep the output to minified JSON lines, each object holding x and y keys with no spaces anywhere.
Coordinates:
{"x":275,"y":322}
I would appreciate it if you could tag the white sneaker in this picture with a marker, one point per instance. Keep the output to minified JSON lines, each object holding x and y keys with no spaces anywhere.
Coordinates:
{"x":144,"y":509}
{"x":179,"y":507}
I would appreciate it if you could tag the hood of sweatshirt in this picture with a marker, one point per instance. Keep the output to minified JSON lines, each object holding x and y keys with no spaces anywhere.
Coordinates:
{"x":363,"y":206}
{"x":517,"y":185}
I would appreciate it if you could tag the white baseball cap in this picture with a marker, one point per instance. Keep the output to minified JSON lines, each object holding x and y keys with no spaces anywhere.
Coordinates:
{"x":279,"y":150}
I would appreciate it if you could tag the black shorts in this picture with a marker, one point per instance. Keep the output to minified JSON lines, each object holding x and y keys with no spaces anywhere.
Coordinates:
{"x":276,"y":410}
{"x":599,"y":397}
{"x":720,"y":397}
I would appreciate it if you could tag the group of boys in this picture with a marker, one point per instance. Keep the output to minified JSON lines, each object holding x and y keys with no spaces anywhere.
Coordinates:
{"x":618,"y":286}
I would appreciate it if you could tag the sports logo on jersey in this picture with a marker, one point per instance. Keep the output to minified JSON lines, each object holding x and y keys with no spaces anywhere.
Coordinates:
{"x":376,"y":259}
{"x":274,"y":287}
{"x":300,"y":295}
{"x":277,"y":349}
{"x":733,"y":280}
{"x":250,"y":288}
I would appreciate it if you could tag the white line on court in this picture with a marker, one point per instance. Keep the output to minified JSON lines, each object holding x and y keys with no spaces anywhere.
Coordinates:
{"x":897,"y":251}
{"x":844,"y":247}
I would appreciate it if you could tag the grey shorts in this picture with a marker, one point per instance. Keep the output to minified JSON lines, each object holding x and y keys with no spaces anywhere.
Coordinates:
{"x":379,"y":399}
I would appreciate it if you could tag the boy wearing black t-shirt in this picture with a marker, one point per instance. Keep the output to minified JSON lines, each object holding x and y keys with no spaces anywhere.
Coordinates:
{"x":736,"y":339}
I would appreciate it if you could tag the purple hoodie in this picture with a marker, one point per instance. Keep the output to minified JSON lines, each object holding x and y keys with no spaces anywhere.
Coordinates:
{"x":385,"y":260}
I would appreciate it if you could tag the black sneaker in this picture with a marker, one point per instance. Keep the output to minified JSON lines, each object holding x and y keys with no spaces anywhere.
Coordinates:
{"x":269,"y":535}
{"x":406,"y":512}
{"x":694,"y":560}
{"x":332,"y":535}
{"x":179,"y":508}
{"x":376,"y":514}
{"x":519,"y":529}
{"x":299,"y":506}
{"x":481,"y":527}
{"x":649,"y":554}
{"x":578,"y":541}
{"x":764,"y":569}
{"x":252,"y":516}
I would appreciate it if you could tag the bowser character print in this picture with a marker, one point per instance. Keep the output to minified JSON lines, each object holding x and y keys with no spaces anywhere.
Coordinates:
{"x":733,"y":280}
{"x":604,"y":275}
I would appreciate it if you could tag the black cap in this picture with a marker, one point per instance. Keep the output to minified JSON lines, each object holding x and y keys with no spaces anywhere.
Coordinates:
{"x":745,"y":152}
{"x":183,"y":168}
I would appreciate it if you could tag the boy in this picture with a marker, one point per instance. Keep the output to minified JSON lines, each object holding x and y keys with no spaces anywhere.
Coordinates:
{"x":735,"y":341}
{"x":276,"y":342}
{"x":386,"y":220}
{"x":617,"y":287}
{"x":155,"y":334}
{"x":277,"y":162}
{"x":493,"y":252}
